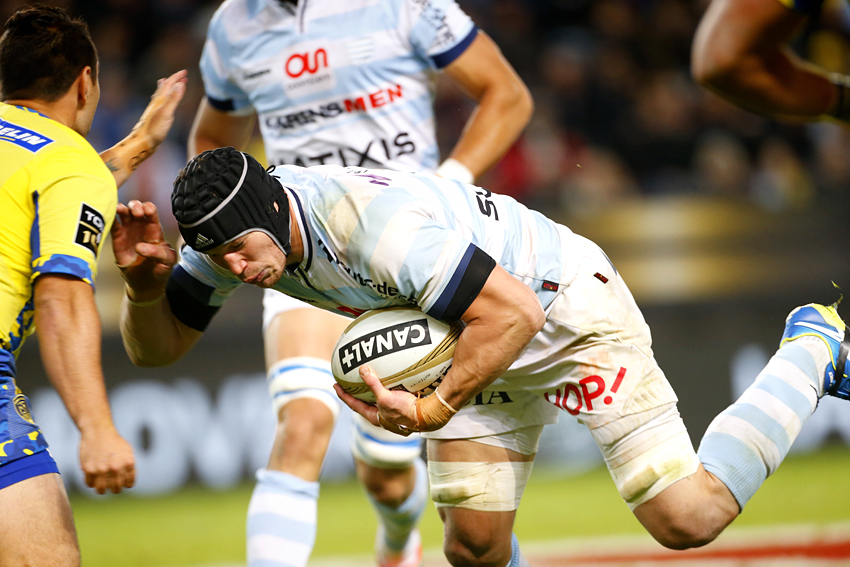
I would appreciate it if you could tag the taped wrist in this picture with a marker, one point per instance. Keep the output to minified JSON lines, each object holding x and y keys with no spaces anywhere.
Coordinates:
{"x":432,"y":412}
{"x":453,"y":169}
{"x":841,"y":108}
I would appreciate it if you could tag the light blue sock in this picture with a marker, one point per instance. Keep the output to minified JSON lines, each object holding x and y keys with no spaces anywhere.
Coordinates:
{"x":747,"y":442}
{"x":400,"y":522}
{"x":517,"y":559}
{"x":281,"y":520}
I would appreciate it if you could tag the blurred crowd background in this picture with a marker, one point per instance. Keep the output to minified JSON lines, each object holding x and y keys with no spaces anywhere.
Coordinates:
{"x":617,"y":114}
{"x":720,"y":221}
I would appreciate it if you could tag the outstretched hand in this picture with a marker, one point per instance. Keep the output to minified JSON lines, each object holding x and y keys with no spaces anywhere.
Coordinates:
{"x":394,"y":410}
{"x":142,"y":254}
{"x":158,"y":117}
{"x":123,"y":158}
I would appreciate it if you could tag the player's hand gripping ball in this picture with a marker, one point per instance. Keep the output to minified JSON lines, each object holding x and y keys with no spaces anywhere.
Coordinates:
{"x":406,"y":348}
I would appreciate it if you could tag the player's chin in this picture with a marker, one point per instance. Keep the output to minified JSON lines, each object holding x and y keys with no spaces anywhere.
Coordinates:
{"x":268,"y":281}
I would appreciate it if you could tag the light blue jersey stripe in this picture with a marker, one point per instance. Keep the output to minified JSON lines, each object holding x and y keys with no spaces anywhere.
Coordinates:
{"x":321,"y":76}
{"x":376,"y":238}
{"x":787,"y":394}
{"x":736,"y":464}
{"x":743,"y":456}
{"x":764,"y":423}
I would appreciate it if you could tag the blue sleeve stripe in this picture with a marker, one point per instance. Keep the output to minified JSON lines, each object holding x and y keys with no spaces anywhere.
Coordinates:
{"x":221,"y":105}
{"x":441,"y":60}
{"x":64,"y":264}
{"x":35,"y":232}
{"x":7,"y":363}
{"x":442,"y":303}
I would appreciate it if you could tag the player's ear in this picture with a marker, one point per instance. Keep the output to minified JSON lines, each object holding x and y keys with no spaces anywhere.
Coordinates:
{"x":85,"y":87}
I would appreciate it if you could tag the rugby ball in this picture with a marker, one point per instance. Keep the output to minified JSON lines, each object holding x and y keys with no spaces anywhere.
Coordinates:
{"x":406,"y":348}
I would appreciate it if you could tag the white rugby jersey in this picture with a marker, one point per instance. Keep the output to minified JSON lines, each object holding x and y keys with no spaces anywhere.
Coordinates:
{"x":345,"y":82}
{"x":379,"y":238}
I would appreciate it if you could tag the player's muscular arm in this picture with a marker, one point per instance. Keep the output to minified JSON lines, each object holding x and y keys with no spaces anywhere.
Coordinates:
{"x":504,"y":104}
{"x":499,"y":325}
{"x":740,"y":52}
{"x":149,"y":132}
{"x":216,"y":129}
{"x":501,"y":321}
{"x":69,"y":338}
{"x":152,"y":335}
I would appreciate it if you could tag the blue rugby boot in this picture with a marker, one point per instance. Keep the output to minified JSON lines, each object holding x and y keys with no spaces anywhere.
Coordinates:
{"x":823,"y":322}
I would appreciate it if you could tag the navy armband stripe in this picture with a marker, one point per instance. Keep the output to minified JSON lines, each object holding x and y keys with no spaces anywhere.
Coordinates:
{"x":188,"y":299}
{"x":222,"y":105}
{"x":465,"y":285}
{"x":443,"y":59}
{"x":199,"y":290}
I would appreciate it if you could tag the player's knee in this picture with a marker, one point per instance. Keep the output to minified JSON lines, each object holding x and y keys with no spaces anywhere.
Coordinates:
{"x":307,"y":418}
{"x":686,"y":527}
{"x":685,"y":535}
{"x":479,"y":550}
{"x":389,"y":487}
{"x":305,"y":427}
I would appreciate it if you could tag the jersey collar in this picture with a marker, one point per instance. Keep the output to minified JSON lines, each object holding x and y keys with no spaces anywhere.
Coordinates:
{"x":306,"y":237}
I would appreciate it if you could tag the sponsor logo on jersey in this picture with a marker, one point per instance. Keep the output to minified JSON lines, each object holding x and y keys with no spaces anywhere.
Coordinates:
{"x":28,"y":139}
{"x":384,"y":341}
{"x":489,"y":398}
{"x":437,"y":19}
{"x":382,"y":288}
{"x":308,"y":70}
{"x":576,"y":398}
{"x":256,"y":74}
{"x":23,"y":408}
{"x":373,"y":155}
{"x":300,"y":63}
{"x":375,"y":99}
{"x":90,"y":228}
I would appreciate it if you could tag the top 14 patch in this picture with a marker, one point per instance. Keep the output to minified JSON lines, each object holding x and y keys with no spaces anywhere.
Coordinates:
{"x":90,"y":228}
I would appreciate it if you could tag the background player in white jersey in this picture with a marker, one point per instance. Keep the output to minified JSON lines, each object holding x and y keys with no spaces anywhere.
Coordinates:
{"x":549,"y":326}
{"x":348,"y":83}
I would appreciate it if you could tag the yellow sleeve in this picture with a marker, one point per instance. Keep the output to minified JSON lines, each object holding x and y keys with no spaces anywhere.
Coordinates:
{"x":804,"y":6}
{"x":75,"y":198}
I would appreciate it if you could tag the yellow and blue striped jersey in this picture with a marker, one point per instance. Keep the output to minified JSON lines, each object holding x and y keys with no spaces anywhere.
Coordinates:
{"x":57,"y":200}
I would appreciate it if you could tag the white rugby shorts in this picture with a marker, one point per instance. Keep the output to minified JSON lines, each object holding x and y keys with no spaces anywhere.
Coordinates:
{"x":593,"y":360}
{"x":275,"y":303}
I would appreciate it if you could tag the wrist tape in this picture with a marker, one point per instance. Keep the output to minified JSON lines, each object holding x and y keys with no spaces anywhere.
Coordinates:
{"x":453,"y":169}
{"x":433,"y":412}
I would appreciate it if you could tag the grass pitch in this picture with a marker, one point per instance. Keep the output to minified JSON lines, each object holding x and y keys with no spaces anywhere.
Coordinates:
{"x":198,"y":526}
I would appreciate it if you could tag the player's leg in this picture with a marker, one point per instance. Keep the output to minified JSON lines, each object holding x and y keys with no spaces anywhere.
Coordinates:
{"x":37,"y":526}
{"x":609,"y":379}
{"x":684,"y":500}
{"x":747,"y":442}
{"x":392,"y":472}
{"x":477,"y":485}
{"x":282,"y":514}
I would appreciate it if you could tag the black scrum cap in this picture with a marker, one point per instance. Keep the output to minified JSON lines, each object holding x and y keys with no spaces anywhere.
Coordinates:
{"x":224,"y":193}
